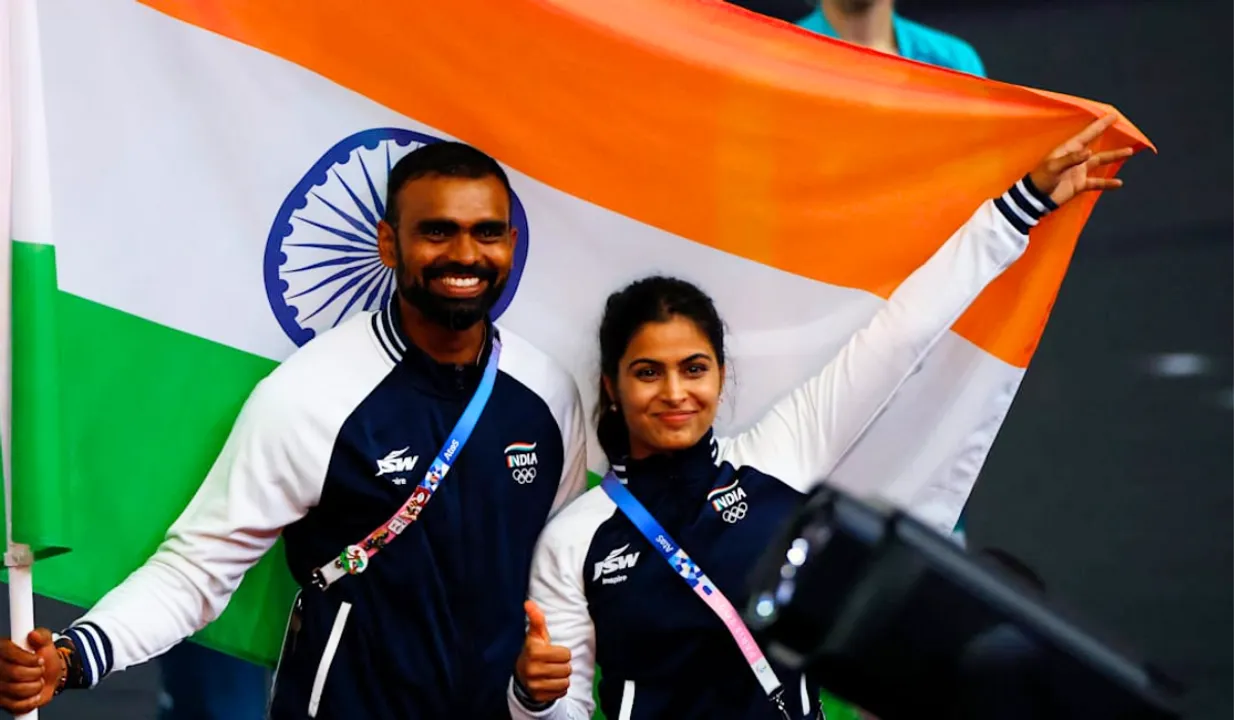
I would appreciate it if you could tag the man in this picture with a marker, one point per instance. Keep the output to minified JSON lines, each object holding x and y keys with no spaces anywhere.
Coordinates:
{"x":875,"y":24}
{"x":412,"y":569}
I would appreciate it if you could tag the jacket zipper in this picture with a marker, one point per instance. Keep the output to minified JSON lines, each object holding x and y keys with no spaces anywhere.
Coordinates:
{"x":291,"y":634}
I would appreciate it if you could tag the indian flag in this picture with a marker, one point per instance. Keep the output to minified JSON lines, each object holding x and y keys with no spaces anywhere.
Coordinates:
{"x":195,"y":186}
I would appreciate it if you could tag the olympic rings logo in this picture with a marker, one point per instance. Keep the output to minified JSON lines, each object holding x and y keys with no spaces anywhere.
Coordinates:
{"x":735,"y":513}
{"x":522,"y":476}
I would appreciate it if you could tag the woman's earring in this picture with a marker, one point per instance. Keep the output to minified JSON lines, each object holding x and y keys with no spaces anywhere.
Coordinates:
{"x":612,"y":407}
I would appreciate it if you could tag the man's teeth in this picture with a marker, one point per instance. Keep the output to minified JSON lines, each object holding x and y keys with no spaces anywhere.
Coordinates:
{"x":461,"y":282}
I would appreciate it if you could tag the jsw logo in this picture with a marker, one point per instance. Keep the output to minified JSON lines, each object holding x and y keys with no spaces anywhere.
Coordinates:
{"x":616,"y":562}
{"x":395,"y":462}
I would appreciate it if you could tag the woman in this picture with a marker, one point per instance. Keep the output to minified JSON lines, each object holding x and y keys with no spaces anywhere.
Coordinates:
{"x":600,"y":591}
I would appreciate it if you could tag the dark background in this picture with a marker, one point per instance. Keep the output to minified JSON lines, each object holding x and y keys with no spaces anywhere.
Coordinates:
{"x":1112,"y":478}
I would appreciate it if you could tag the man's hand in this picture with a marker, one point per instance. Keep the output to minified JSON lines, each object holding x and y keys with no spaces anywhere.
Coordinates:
{"x":1065,"y":172}
{"x":543,"y":669}
{"x":28,"y":678}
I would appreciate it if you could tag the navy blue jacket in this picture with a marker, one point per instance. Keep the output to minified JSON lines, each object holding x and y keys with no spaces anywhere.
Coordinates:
{"x":326,"y":450}
{"x":730,"y":515}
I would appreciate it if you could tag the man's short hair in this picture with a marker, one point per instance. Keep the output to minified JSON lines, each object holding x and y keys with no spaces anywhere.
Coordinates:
{"x":445,"y":158}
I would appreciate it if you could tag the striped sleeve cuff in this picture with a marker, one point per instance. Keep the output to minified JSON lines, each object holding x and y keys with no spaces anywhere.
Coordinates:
{"x":1024,"y":205}
{"x":94,"y":649}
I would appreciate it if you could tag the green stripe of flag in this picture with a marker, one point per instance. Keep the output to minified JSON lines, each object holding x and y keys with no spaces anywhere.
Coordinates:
{"x":37,"y":428}
{"x":116,"y":421}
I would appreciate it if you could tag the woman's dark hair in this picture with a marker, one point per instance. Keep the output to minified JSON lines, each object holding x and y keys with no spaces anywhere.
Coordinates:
{"x":652,"y":299}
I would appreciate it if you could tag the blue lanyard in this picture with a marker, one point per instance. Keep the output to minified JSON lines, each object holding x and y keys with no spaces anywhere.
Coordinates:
{"x":355,"y":558}
{"x":698,"y":581}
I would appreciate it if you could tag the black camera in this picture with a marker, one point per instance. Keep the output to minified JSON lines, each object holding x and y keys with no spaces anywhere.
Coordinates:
{"x":885,"y":612}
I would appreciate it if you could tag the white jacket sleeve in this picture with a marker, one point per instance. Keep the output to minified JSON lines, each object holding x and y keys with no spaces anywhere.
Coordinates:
{"x":806,"y":434}
{"x":269,"y":473}
{"x":574,"y":467}
{"x":557,"y":587}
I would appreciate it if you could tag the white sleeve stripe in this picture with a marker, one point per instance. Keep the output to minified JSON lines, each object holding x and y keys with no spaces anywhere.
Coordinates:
{"x":1001,"y":204}
{"x":1009,"y":198}
{"x":100,"y":657}
{"x":104,"y":643}
{"x":85,"y":648}
{"x":90,"y":662}
{"x":1028,"y":196}
{"x":1026,"y":183}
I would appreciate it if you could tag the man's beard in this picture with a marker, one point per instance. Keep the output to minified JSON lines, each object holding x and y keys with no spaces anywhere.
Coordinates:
{"x":452,"y":313}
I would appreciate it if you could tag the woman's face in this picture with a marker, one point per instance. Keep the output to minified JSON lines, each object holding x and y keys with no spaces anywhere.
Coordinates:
{"x":668,"y":386}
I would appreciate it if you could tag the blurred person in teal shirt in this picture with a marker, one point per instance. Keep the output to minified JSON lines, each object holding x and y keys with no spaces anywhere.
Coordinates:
{"x":875,"y":24}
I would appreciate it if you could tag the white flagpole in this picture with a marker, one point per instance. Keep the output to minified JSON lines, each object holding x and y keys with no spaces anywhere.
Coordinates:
{"x":19,"y":76}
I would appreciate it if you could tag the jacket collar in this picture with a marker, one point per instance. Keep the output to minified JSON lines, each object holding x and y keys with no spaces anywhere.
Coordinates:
{"x":684,"y":475}
{"x":442,"y":379}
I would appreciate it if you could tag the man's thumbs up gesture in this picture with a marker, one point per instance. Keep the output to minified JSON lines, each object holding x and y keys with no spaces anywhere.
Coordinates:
{"x":543,"y":669}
